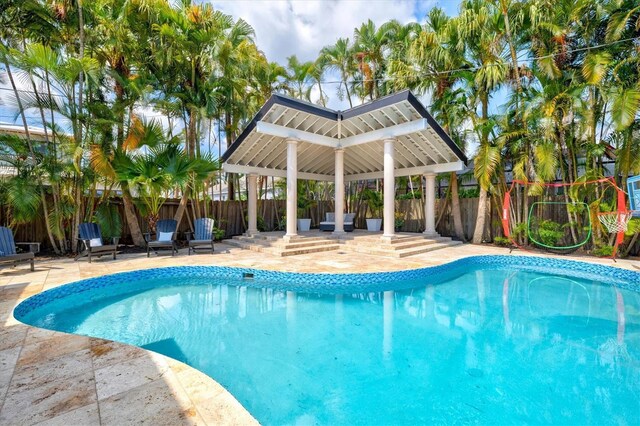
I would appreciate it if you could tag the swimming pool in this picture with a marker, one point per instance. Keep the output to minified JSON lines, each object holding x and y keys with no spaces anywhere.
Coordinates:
{"x":487,"y":339}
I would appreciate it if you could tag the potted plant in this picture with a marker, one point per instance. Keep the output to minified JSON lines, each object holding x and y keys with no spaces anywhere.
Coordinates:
{"x":375,"y":203}
{"x":304,"y":224}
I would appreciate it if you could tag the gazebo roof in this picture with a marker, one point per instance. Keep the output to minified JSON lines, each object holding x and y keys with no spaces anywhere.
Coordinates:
{"x":421,"y":146}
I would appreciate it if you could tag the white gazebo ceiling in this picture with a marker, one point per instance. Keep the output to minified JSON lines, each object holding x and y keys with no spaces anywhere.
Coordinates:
{"x":421,"y":145}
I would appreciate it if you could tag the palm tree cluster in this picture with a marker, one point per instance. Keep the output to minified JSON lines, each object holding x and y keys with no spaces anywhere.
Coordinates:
{"x":90,"y":70}
{"x":538,"y":90}
{"x":546,"y":90}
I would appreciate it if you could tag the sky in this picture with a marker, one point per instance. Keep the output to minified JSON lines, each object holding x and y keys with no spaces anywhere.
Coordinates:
{"x":303,"y":27}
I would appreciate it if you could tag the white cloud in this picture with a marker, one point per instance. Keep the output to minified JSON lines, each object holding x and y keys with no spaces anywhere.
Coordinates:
{"x":287,"y":27}
{"x":303,"y":27}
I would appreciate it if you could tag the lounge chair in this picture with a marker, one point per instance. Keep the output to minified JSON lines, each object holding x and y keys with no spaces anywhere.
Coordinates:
{"x":203,"y":235}
{"x":90,"y":236}
{"x":8,"y":254}
{"x":330,"y":222}
{"x":165,"y":237}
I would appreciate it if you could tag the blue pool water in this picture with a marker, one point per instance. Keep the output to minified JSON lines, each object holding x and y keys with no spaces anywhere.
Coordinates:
{"x":484,"y":340}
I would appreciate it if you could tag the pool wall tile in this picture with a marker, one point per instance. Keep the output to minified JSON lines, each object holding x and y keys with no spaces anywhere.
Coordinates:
{"x":339,"y":283}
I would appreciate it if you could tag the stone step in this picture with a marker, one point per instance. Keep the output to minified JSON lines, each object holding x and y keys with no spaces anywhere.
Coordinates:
{"x":282,"y":245}
{"x":425,"y":249}
{"x":400,"y":247}
{"x":376,"y":239}
{"x":253,"y":247}
{"x":280,"y":251}
{"x":293,"y":244}
{"x":400,"y":239}
{"x":281,"y":248}
{"x":316,"y":249}
{"x":393,"y":247}
{"x":409,"y":244}
{"x":398,"y":243}
{"x":275,"y":238}
{"x":251,"y":241}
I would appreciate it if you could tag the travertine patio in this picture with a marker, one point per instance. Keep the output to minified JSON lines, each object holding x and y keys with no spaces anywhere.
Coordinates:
{"x":60,"y":379}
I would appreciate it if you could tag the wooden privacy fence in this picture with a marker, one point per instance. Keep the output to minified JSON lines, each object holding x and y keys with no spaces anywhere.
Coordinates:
{"x":230,"y":216}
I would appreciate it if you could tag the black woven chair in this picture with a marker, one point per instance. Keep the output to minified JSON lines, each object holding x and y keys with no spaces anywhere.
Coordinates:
{"x":203,"y":235}
{"x":165,"y":237}
{"x":90,"y":237}
{"x":8,"y":254}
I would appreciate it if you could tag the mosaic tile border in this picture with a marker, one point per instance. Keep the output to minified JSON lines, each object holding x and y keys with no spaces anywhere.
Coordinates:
{"x":344,"y":282}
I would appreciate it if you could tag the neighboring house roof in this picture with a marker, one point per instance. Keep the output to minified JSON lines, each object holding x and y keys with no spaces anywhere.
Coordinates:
{"x":37,"y":133}
{"x":421,"y":144}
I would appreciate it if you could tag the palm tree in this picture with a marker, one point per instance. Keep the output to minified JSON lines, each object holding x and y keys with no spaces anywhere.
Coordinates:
{"x":433,"y":64}
{"x":19,"y":21}
{"x":317,"y":71}
{"x":370,"y":44}
{"x":234,"y":56}
{"x":476,"y":27}
{"x":340,"y":57}
{"x":180,"y":54}
{"x":152,"y":164}
{"x":300,"y":77}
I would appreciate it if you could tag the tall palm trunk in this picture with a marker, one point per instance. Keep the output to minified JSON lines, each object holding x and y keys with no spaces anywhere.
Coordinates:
{"x":455,"y":207}
{"x":565,"y":193}
{"x":43,"y":197}
{"x":55,"y":188}
{"x":61,"y":239}
{"x":127,"y":200}
{"x":230,"y":177}
{"x":131,"y":217}
{"x":78,"y":183}
{"x":478,"y":233}
{"x":191,"y":142}
{"x":346,"y":88}
{"x":455,"y":201}
{"x":322,"y":100}
{"x":481,"y":218}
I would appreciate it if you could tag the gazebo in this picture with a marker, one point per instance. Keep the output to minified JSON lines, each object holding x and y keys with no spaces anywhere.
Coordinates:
{"x":386,"y":138}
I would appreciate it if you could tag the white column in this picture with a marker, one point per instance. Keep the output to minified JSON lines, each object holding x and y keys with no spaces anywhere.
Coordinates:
{"x":292,"y":187}
{"x":430,"y":205}
{"x":252,"y":201}
{"x":339,"y":191}
{"x":389,"y":189}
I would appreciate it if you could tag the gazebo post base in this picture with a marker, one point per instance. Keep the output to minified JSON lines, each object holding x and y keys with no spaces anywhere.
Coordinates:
{"x":289,"y":238}
{"x":431,"y":234}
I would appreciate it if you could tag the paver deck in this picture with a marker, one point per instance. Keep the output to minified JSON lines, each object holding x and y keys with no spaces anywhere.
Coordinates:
{"x":61,"y":379}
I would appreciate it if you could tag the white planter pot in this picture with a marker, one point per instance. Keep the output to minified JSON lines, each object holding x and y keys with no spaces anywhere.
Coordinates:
{"x":304,"y":225}
{"x":374,"y":225}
